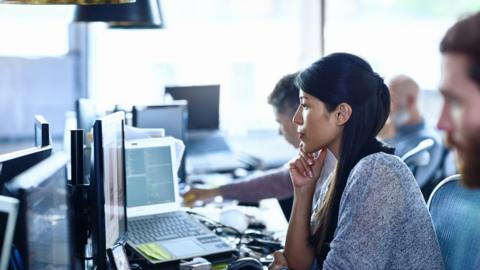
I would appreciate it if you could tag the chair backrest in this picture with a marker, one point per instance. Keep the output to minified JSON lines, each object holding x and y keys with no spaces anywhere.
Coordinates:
{"x":414,"y":156}
{"x":446,"y":167}
{"x":455,"y":214}
{"x":425,"y":160}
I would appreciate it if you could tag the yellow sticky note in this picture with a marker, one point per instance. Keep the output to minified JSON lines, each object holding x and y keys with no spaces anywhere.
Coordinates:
{"x":154,"y":251}
{"x":220,"y":266}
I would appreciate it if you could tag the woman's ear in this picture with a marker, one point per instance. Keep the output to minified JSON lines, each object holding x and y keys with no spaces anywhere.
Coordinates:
{"x":343,"y":113}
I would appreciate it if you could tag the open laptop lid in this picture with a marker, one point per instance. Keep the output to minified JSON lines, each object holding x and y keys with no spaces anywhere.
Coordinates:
{"x":8,"y":216}
{"x":152,"y":185}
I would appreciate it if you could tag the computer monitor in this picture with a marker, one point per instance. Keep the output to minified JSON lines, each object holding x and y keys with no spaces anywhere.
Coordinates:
{"x":42,"y":132}
{"x":86,"y":114}
{"x":171,"y":117}
{"x":14,"y":163}
{"x":8,"y":217}
{"x":108,"y":184}
{"x":203,"y":105}
{"x":42,"y":234}
{"x":86,"y":110}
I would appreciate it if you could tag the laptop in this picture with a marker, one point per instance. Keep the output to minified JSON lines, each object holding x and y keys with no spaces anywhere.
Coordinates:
{"x":206,"y":147}
{"x":8,"y":217}
{"x":157,"y":227}
{"x":172,"y":117}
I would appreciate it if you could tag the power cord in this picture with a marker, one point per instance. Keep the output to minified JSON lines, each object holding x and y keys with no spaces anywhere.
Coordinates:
{"x":215,"y":226}
{"x":256,"y":241}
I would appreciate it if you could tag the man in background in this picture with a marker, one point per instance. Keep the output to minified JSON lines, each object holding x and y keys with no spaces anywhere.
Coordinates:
{"x":275,"y":183}
{"x":406,"y":128}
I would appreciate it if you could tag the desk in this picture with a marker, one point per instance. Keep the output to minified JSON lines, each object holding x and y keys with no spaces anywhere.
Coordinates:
{"x":269,"y":211}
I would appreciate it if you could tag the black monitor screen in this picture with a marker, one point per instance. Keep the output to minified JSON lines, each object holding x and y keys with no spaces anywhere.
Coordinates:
{"x":109,"y":163}
{"x":203,"y":105}
{"x":42,"y":232}
{"x":12,"y":164}
{"x":3,"y":228}
{"x":42,"y":132}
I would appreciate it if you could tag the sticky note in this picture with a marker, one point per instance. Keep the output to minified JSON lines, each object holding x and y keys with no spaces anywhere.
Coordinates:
{"x":154,"y":251}
{"x":220,"y":266}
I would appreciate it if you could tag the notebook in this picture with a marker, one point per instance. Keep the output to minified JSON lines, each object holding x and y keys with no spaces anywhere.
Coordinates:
{"x":157,"y":227}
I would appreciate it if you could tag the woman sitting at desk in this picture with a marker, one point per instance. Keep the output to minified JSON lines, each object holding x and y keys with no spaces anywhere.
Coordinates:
{"x":275,"y":183}
{"x":371,"y":214}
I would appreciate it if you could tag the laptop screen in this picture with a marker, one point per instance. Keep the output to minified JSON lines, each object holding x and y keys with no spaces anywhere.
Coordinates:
{"x":203,"y":105}
{"x":149,"y":173}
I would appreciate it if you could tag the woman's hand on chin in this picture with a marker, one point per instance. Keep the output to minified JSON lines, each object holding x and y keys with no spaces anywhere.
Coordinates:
{"x":306,"y":169}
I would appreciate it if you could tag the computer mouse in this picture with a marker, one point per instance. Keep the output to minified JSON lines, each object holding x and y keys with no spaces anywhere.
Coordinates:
{"x":234,"y":217}
{"x":247,"y":263}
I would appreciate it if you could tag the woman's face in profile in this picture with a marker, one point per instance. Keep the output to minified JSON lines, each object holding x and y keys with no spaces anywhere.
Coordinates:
{"x":316,"y":126}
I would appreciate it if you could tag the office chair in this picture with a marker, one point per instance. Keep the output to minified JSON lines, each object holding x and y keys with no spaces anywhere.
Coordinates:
{"x":424,"y":160}
{"x":446,"y":168}
{"x":455,"y":214}
{"x":419,"y":155}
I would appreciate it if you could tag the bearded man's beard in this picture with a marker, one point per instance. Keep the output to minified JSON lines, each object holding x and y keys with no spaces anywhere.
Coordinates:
{"x":468,"y":160}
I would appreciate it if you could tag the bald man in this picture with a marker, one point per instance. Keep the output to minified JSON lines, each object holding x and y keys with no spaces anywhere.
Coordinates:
{"x":404,"y":96}
{"x":407,"y":129}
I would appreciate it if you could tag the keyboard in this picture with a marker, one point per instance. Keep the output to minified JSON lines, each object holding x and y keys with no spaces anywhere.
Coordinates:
{"x":204,"y":145}
{"x":163,"y":227}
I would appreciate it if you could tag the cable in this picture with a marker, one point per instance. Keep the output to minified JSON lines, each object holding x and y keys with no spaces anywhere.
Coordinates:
{"x":257,"y":241}
{"x":218,"y":225}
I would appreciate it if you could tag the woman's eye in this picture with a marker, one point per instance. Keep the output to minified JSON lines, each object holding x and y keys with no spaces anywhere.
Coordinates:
{"x":304,"y":106}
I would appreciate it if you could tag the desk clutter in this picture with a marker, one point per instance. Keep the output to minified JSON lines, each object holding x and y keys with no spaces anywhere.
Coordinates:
{"x":112,"y":203}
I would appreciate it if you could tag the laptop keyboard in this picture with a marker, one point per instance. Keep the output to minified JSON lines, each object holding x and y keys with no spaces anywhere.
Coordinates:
{"x":163,"y":227}
{"x":199,"y":146}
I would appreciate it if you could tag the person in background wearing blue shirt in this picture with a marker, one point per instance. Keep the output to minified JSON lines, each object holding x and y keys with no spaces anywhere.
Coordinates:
{"x":406,"y":128}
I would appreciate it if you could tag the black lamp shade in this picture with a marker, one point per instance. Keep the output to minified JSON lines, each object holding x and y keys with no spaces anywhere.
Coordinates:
{"x":65,"y":2}
{"x":141,"y":14}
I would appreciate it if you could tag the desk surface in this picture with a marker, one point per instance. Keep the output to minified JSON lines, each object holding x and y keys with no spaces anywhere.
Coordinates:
{"x":269,"y":212}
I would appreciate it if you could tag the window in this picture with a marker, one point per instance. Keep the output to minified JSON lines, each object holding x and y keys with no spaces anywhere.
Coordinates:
{"x":396,"y":37}
{"x":246,"y":46}
{"x":34,"y":31}
{"x":35,"y":66}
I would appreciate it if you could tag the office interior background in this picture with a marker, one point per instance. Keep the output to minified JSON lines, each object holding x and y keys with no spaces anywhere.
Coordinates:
{"x":47,"y":62}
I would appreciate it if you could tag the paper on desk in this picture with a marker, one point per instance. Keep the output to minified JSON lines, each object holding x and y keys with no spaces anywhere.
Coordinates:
{"x":154,"y":251}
